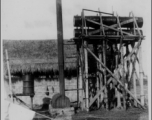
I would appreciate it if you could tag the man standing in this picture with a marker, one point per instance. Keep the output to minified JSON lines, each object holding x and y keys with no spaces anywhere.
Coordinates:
{"x":111,"y":95}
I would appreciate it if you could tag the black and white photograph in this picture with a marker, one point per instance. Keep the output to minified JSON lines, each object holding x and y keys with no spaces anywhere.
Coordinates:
{"x":75,"y":59}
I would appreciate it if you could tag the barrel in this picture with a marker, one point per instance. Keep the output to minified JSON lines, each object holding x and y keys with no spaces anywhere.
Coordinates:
{"x":77,"y":32}
{"x":107,"y":20}
{"x":60,"y":101}
{"x":28,"y":84}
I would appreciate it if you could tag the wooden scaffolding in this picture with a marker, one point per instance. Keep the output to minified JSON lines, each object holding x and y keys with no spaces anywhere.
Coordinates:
{"x":115,"y":47}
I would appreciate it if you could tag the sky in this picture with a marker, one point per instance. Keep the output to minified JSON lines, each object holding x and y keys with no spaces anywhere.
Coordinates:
{"x":36,"y":19}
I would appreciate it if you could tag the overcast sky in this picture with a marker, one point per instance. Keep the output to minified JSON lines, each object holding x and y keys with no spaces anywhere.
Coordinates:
{"x":36,"y":19}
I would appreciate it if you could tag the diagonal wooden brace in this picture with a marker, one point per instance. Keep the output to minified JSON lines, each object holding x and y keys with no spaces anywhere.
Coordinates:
{"x":113,"y":76}
{"x":96,"y":96}
{"x":112,"y":26}
{"x":109,"y":27}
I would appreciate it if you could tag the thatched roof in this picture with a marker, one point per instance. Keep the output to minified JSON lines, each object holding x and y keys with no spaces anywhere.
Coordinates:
{"x":36,"y":55}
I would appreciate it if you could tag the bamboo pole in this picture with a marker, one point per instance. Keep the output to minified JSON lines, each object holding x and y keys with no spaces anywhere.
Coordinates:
{"x":9,"y":75}
{"x":77,"y":75}
{"x":134,"y":81}
{"x":100,"y":55}
{"x":128,"y":67}
{"x":82,"y":64}
{"x":133,"y":75}
{"x":141,"y":76}
{"x":100,"y":68}
{"x":113,"y":76}
{"x":123,"y":77}
{"x":140,"y":63}
{"x":104,"y":61}
{"x":81,"y":78}
{"x":97,"y":79}
{"x":86,"y":65}
{"x":86,"y":77}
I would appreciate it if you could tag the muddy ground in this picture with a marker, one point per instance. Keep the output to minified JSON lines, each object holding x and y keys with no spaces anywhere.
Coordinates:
{"x":115,"y":114}
{"x":102,"y":114}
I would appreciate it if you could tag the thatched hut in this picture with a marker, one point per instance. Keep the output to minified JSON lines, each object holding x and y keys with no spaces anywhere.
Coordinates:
{"x":39,"y":57}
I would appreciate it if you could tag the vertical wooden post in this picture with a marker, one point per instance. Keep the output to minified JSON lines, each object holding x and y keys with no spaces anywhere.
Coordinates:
{"x":100,"y":77}
{"x":80,"y":81}
{"x":9,"y":75}
{"x":133,"y":75}
{"x":86,"y":77}
{"x":128,"y":67}
{"x":81,"y":77}
{"x":141,"y":76}
{"x":104,"y":59}
{"x":60,"y":46}
{"x":123,"y":78}
{"x":77,"y":75}
{"x":116,"y":55}
{"x":100,"y":67}
{"x":134,"y":82}
{"x":97,"y":79}
{"x":105,"y":78}
{"x":100,"y":55}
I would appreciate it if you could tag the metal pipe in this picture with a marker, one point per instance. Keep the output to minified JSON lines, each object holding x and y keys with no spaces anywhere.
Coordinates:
{"x":60,"y":46}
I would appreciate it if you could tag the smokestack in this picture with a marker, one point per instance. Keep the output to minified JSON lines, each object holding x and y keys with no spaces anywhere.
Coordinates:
{"x":60,"y":46}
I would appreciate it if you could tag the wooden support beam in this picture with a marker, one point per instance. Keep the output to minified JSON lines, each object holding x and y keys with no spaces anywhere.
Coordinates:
{"x":100,"y":54}
{"x":141,"y":76}
{"x":78,"y":75}
{"x":9,"y":75}
{"x":140,"y":64}
{"x":134,"y":82}
{"x":114,"y":76}
{"x":128,"y":67}
{"x":97,"y":11}
{"x":86,"y":77}
{"x":97,"y":96}
{"x":135,"y":22}
{"x":123,"y":78}
{"x":101,"y":24}
{"x":81,"y":76}
{"x":115,"y":25}
{"x":133,"y":50}
{"x":104,"y":61}
{"x":97,"y":79}
{"x":122,"y":62}
{"x":112,"y":28}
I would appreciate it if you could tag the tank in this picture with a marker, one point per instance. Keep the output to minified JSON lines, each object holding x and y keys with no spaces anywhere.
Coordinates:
{"x":28,"y":84}
{"x":107,"y":20}
{"x":77,"y":32}
{"x":60,"y":101}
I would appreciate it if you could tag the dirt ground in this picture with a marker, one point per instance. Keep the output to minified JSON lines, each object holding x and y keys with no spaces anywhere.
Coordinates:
{"x":116,"y":114}
{"x":102,"y":114}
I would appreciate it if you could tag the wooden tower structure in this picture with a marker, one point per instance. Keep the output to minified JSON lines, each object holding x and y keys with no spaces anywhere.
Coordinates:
{"x":108,"y":49}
